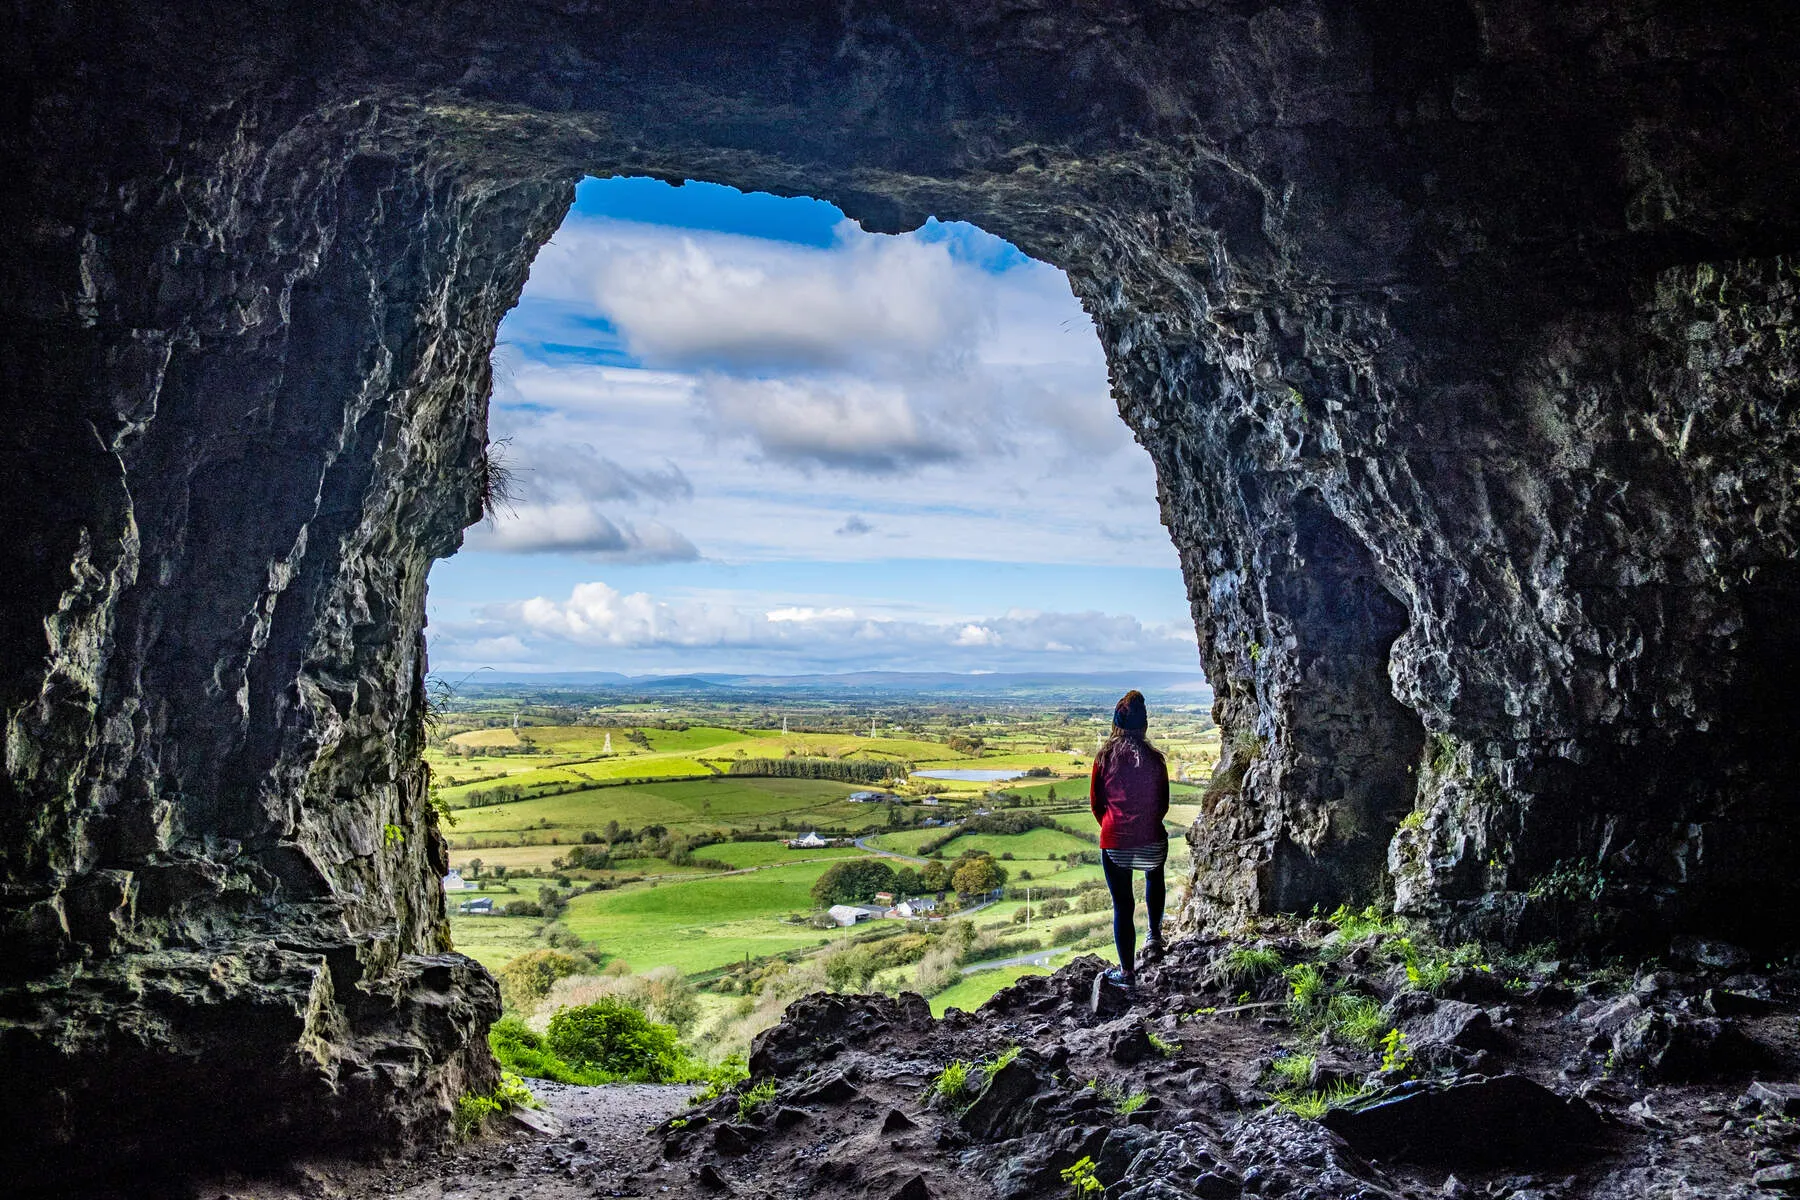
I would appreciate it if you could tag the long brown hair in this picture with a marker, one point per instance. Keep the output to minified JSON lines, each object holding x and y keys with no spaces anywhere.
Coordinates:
{"x":1129,"y":713}
{"x":1137,"y":741}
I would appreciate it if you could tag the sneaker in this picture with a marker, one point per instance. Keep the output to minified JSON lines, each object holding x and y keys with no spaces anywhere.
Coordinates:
{"x":1152,"y":951}
{"x":1121,"y":978}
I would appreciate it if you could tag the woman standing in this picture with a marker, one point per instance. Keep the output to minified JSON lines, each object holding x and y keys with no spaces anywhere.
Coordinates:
{"x":1129,"y":793}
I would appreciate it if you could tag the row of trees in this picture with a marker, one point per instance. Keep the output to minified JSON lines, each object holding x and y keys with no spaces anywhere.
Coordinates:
{"x":840,"y":769}
{"x":857,"y":880}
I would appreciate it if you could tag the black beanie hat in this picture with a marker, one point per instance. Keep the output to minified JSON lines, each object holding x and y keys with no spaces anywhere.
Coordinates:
{"x":1129,"y":713}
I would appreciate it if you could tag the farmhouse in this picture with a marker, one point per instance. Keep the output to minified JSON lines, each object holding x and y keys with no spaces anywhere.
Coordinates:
{"x":454,"y":882}
{"x":906,"y":910}
{"x":483,"y":907}
{"x":809,"y":841}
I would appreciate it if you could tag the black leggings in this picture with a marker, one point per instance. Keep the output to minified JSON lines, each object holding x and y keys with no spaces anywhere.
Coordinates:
{"x":1118,"y":882}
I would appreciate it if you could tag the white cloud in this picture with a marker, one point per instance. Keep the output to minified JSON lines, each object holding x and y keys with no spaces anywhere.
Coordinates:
{"x":575,"y":527}
{"x":792,"y":613}
{"x":712,"y":300}
{"x":630,"y":625}
{"x":853,"y":424}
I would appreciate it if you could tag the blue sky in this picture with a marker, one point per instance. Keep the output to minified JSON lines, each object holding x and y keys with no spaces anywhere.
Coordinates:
{"x":749,"y":436}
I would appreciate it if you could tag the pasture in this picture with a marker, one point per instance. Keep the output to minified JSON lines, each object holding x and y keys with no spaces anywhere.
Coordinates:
{"x":696,"y":925}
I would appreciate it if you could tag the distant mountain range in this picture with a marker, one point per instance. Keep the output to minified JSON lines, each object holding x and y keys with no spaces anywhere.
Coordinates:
{"x":1189,"y":686}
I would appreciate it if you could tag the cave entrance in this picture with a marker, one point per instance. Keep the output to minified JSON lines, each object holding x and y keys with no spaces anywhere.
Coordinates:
{"x":747,"y":437}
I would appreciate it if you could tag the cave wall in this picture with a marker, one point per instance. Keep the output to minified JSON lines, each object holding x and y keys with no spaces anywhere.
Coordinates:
{"x":1459,"y":335}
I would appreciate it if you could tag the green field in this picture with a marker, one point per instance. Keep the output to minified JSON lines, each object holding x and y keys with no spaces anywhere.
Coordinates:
{"x":689,"y":805}
{"x":1043,"y":844}
{"x":975,"y":990}
{"x":703,"y":923}
{"x":906,"y":841}
{"x":491,"y":941}
{"x":698,"y":919}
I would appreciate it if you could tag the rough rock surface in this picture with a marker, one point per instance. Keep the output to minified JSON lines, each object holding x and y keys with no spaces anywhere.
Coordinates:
{"x":1459,"y":335}
{"x":852,"y":1119}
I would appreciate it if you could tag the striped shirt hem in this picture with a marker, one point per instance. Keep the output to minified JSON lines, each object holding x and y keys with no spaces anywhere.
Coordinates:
{"x":1139,"y":858}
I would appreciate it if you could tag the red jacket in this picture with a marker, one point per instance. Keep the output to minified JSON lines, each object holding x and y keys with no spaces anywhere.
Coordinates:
{"x":1129,"y":793}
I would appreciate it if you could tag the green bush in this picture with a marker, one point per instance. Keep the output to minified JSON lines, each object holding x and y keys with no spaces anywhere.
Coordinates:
{"x":620,"y":1041}
{"x":518,"y":1048}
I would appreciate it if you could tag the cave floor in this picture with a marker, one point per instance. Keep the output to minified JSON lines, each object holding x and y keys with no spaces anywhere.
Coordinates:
{"x":579,"y":1145}
{"x":1551,"y":1083}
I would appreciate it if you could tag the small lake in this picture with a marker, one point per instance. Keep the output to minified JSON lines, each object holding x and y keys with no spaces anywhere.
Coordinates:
{"x":970,"y":776}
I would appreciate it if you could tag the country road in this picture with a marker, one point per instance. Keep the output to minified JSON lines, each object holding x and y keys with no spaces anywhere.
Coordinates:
{"x":862,"y":843}
{"x":1039,"y":959}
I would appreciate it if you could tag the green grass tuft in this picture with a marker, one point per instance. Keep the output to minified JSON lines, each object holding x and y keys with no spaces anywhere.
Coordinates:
{"x":753,"y":1099}
{"x":1247,"y":966}
{"x":1312,"y":1105}
{"x":1295,"y":1070}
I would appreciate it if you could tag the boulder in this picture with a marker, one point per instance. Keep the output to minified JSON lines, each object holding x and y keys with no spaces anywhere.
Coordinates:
{"x":1504,"y":1120}
{"x":1031,"y":1167}
{"x":1130,"y":1045}
{"x":1710,"y":953}
{"x":817,"y":1028}
{"x":913,"y":1189}
{"x":1118,"y":1151}
{"x":997,"y":1111}
{"x":832,"y":1087}
{"x":1785,"y":1177}
{"x":1108,"y":998}
{"x":897,"y":1122}
{"x":1774,"y":1099}
{"x":1451,"y":1033}
{"x":1674,"y":1046}
{"x":1721,"y":1002}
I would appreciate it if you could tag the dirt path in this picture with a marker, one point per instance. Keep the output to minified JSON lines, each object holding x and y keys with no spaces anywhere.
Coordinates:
{"x":592,"y":1141}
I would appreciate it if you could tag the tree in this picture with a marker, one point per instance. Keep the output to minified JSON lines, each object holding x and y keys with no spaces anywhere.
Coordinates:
{"x":907,"y":882}
{"x":936,"y":876}
{"x":474,"y":868}
{"x":852,"y":881}
{"x":1055,"y":906}
{"x":1022,"y":916}
{"x":526,"y":979}
{"x":977,"y":873}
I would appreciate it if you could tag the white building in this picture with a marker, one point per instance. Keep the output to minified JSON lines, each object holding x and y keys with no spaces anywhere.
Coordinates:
{"x":847,"y":914}
{"x":811,"y":841}
{"x":454,"y":882}
{"x":908,"y":909}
